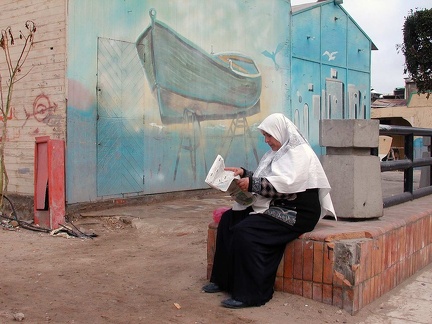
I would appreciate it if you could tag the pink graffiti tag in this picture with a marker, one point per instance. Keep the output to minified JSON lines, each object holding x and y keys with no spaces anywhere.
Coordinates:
{"x":42,"y":107}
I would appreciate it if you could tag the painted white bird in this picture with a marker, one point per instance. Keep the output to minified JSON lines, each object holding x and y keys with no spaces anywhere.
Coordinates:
{"x":331,"y":56}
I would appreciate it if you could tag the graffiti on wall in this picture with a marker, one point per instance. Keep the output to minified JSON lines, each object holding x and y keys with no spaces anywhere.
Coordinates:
{"x":44,"y":111}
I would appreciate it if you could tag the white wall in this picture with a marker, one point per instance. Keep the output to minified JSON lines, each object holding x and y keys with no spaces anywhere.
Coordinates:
{"x":39,"y":99}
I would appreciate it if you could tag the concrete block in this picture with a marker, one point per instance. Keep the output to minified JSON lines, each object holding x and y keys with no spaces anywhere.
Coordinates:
{"x":356,"y":185}
{"x":349,"y":133}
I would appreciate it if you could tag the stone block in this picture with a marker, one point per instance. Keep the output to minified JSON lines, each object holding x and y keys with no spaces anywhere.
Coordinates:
{"x":349,"y":133}
{"x":356,"y":185}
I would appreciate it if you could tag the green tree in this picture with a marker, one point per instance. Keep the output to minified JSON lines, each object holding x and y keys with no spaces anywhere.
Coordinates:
{"x":417,"y":48}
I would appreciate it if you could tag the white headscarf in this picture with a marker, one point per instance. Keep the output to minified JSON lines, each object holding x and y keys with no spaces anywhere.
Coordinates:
{"x":294,"y":167}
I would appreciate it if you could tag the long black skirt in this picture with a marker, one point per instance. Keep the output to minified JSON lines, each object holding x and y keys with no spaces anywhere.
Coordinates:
{"x":250,"y":246}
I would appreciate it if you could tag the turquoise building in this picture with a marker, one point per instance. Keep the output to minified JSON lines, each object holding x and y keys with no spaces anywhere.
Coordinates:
{"x":330,"y":71}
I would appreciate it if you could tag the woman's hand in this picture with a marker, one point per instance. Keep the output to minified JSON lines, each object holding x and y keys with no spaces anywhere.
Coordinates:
{"x":237,"y":171}
{"x":243,"y":183}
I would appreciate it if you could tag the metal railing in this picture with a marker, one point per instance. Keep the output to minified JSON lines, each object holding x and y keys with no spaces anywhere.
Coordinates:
{"x":407,"y":164}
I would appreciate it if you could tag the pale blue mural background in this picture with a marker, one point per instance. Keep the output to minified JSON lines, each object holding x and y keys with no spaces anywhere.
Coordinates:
{"x":144,"y":157}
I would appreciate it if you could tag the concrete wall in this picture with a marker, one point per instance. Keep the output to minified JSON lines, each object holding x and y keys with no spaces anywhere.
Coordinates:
{"x":39,"y":100}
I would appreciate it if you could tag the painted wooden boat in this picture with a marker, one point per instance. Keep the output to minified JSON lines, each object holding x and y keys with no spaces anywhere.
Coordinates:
{"x":183,"y":77}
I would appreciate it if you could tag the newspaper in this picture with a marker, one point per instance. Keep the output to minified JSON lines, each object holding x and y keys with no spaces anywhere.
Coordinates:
{"x":222,"y":180}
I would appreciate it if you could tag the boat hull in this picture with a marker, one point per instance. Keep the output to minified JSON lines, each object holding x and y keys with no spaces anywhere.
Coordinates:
{"x":184,"y":77}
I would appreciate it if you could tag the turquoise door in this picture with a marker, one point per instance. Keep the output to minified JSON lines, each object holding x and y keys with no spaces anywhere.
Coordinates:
{"x":120,"y":135}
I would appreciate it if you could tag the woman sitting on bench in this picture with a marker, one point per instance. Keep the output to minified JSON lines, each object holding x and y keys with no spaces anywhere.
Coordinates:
{"x":292,"y":194}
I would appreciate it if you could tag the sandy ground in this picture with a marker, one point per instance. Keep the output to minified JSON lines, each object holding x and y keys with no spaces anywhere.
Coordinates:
{"x":147,"y":265}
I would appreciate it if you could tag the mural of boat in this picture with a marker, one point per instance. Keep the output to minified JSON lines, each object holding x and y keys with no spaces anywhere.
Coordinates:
{"x":184,"y":77}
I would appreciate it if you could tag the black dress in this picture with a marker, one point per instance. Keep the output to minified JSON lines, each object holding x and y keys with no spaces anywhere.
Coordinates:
{"x":250,"y":246}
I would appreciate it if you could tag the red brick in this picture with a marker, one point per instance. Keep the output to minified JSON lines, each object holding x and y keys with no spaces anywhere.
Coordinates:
{"x":403,"y":251}
{"x":365,"y":270}
{"x":408,"y":265}
{"x":418,"y":239}
{"x":427,"y":254}
{"x":298,"y":259}
{"x":280,"y":269}
{"x":410,"y":238}
{"x":428,"y":227}
{"x":388,"y":250}
{"x":373,"y":294}
{"x":366,"y":292}
{"x":317,"y":291}
{"x":328,"y":262}
{"x":394,"y":247}
{"x":279,"y":284}
{"x":368,"y":247}
{"x":298,"y":287}
{"x":423,"y":232}
{"x":392,"y":277}
{"x":424,"y":257}
{"x":318,"y":262}
{"x":327,"y":294}
{"x":379,"y":284}
{"x":360,"y":296}
{"x":375,"y":288}
{"x":399,"y":273}
{"x":308,"y":254}
{"x":211,"y":246}
{"x":386,"y":281}
{"x":211,"y":243}
{"x":418,"y":261}
{"x":396,"y":253}
{"x":307,"y":289}
{"x":403,"y":269}
{"x":377,"y":256}
{"x":289,"y":260}
{"x":288,"y":286}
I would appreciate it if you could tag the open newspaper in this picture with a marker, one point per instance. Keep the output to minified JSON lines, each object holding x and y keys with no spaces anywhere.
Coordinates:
{"x":221,"y":179}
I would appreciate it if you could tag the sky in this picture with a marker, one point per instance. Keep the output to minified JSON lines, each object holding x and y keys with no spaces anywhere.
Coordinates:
{"x":382,"y":21}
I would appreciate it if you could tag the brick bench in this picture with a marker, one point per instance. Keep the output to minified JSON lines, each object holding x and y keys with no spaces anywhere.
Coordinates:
{"x":351,"y":264}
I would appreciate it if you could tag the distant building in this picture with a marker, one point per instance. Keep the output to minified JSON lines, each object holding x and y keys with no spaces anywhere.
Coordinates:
{"x":413,"y":109}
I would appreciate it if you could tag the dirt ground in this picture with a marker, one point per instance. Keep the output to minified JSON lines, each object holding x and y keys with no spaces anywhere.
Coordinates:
{"x":147,"y":265}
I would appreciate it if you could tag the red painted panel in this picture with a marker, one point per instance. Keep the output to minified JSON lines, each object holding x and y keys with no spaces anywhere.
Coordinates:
{"x":49,"y":180}
{"x":56,"y":183}
{"x":41,"y":172}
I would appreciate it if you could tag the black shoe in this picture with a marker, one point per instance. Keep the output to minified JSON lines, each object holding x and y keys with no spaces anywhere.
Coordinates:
{"x":211,"y":288}
{"x":232,"y":303}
